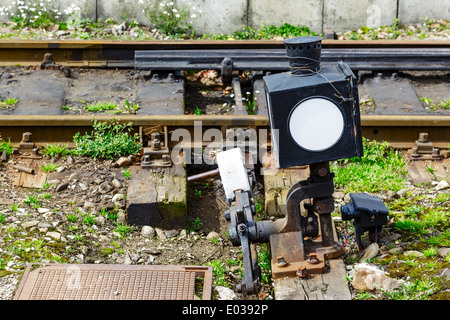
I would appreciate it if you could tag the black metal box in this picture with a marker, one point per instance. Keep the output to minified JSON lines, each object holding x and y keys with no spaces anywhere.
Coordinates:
{"x":314,"y":116}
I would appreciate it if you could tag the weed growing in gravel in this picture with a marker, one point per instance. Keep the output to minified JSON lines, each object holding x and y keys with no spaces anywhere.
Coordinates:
{"x":417,"y":290}
{"x":32,"y":201}
{"x":6,"y":146}
{"x":88,"y":219}
{"x":49,"y":167}
{"x":8,"y":103}
{"x":430,"y":105}
{"x":72,"y":217}
{"x":381,"y":168}
{"x":108,"y":140}
{"x":424,"y":221}
{"x":219,"y":273}
{"x":101,"y":107}
{"x":123,"y":229}
{"x":264,"y":263}
{"x":194,"y":225}
{"x":126,"y":173}
{"x":53,"y":150}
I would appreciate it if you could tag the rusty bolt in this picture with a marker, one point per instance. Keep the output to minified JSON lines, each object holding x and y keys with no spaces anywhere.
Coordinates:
{"x":26,"y":137}
{"x":302,"y":272}
{"x":313,"y":258}
{"x":423,"y":137}
{"x":281,"y":262}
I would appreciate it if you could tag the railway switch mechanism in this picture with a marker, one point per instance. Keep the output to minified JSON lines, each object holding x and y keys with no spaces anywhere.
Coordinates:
{"x":314,"y":118}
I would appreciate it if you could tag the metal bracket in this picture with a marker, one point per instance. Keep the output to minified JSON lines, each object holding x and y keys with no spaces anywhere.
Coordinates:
{"x":424,"y":149}
{"x":156,"y":154}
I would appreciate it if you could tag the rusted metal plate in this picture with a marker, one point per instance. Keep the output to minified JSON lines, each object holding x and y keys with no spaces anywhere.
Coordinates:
{"x":113,"y":282}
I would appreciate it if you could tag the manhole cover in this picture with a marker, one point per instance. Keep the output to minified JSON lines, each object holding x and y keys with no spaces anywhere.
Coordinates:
{"x":114,"y":282}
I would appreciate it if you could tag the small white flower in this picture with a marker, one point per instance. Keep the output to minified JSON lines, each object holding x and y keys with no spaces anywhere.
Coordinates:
{"x":193,"y":15}
{"x":177,"y":15}
{"x":232,"y":95}
{"x":174,"y":10}
{"x":257,"y":92}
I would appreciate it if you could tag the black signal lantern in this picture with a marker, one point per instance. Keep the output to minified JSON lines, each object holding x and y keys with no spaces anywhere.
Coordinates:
{"x":313,"y":109}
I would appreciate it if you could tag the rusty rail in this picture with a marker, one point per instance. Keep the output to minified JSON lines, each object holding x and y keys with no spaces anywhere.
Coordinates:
{"x":400,"y":131}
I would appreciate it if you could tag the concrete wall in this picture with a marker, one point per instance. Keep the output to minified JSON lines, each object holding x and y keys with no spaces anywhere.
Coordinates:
{"x":227,"y":16}
{"x":409,"y":11}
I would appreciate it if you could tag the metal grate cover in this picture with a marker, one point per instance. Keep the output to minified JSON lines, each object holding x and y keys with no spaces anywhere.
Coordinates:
{"x":112,"y":282}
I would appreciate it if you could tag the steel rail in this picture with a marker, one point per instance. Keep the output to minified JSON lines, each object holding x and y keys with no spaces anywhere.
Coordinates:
{"x":399,"y":130}
{"x":120,"y":54}
{"x":375,"y":59}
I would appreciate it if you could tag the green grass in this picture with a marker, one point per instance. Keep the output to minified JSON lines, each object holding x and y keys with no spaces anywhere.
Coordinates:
{"x":53,"y":150}
{"x":219,"y":273}
{"x":50,"y":167}
{"x":423,"y":221}
{"x":101,"y":107}
{"x":123,"y":229}
{"x":32,"y":201}
{"x":6,"y":145}
{"x":108,"y":140}
{"x":380,"y":169}
{"x":264,"y":32}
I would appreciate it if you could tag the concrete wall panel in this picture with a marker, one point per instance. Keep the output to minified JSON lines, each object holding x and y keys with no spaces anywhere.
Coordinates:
{"x":294,"y":12}
{"x":342,"y":15}
{"x":410,"y":11}
{"x":219,"y":16}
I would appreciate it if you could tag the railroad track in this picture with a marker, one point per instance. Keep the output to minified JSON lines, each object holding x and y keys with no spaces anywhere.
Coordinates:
{"x":229,"y":58}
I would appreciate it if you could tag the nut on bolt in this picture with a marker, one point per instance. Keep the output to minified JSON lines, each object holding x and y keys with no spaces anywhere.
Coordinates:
{"x":302,"y":272}
{"x":281,"y":262}
{"x":313,"y":258}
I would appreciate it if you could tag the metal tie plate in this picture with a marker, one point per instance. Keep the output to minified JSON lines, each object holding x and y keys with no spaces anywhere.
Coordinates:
{"x":113,"y":282}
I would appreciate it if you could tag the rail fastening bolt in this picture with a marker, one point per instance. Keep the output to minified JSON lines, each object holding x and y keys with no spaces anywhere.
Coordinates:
{"x":302,"y":272}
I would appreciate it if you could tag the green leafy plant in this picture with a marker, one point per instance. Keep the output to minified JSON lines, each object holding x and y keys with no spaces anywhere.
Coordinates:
{"x":101,"y":107}
{"x":126,"y":173}
{"x":88,"y":219}
{"x":72,"y":217}
{"x":198,"y":111}
{"x":219,"y":273}
{"x":123,"y":229}
{"x":194,"y":225}
{"x":53,"y":150}
{"x":32,"y":201}
{"x":8,"y":103}
{"x":131,"y":108}
{"x":108,"y":140}
{"x":250,"y":102}
{"x":49,"y":167}
{"x":171,"y":20}
{"x":6,"y":146}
